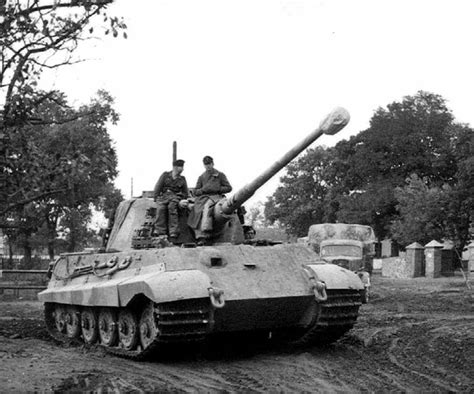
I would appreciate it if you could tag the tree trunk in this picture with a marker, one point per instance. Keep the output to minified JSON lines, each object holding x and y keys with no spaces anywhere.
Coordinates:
{"x":27,"y":253}
{"x":10,"y":252}
{"x":51,"y":224}
{"x":51,"y":250}
{"x":72,"y":235}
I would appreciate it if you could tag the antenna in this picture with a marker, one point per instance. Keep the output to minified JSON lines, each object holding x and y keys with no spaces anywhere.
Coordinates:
{"x":174,"y":151}
{"x":131,"y":187}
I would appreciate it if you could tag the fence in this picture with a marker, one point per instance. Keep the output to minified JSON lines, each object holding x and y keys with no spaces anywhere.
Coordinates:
{"x":18,"y":262}
{"x":28,"y":282}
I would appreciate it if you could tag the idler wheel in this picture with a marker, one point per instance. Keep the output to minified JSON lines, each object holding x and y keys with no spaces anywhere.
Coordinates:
{"x":73,"y":326}
{"x":60,"y":318}
{"x":89,"y":326}
{"x":127,"y":329}
{"x":108,"y":327}
{"x":148,"y":329}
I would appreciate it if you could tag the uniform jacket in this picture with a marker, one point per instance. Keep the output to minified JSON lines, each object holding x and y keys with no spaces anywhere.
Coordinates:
{"x":166,"y":184}
{"x":213,"y":182}
{"x":210,"y":185}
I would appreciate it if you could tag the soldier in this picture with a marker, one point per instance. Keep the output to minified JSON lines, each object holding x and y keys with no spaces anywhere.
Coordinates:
{"x":169,"y":190}
{"x":210,"y":187}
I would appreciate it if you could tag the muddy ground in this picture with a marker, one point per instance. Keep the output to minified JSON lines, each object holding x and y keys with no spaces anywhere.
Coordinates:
{"x":415,"y":335}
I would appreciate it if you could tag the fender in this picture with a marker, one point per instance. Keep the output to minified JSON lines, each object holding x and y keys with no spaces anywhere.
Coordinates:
{"x":166,"y":286}
{"x":335,"y":277}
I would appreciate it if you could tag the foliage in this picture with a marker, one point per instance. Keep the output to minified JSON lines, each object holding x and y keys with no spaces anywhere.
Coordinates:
{"x":76,"y":159}
{"x":409,"y":137}
{"x":460,"y":202}
{"x":254,"y":216}
{"x":429,"y":212}
{"x":421,"y":212}
{"x":38,"y":34}
{"x":363,"y":179}
{"x":374,"y":206}
{"x":412,"y":136}
{"x":300,"y":200}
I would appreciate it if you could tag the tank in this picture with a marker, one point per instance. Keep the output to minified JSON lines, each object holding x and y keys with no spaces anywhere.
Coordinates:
{"x":144,"y":294}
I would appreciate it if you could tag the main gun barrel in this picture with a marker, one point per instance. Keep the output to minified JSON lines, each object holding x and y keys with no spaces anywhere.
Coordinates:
{"x":332,"y":123}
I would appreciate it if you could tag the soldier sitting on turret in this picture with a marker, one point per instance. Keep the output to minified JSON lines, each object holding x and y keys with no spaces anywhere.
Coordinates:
{"x":169,"y":190}
{"x":210,"y":187}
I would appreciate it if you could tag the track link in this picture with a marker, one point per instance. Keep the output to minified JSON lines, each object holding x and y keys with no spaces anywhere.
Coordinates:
{"x":335,"y":317}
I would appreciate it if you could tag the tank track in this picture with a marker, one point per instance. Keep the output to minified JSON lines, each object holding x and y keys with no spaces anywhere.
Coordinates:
{"x":334,"y":318}
{"x":180,"y":322}
{"x":190,"y":321}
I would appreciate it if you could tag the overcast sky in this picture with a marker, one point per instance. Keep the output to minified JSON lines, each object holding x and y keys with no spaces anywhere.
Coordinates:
{"x":244,"y":81}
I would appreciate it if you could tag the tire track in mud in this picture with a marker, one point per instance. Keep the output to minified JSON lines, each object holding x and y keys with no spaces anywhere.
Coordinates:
{"x":183,"y":375}
{"x":305,"y":371}
{"x":413,"y":352}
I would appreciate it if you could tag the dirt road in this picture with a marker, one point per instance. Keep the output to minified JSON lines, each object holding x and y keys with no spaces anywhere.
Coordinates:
{"x":414,"y":335}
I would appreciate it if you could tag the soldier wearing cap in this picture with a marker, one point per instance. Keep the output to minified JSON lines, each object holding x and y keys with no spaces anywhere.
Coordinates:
{"x":169,"y":190}
{"x":210,"y":187}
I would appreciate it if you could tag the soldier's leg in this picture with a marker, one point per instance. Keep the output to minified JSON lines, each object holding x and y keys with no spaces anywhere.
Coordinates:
{"x":206,"y":220}
{"x":173,"y":218}
{"x":161,"y":224}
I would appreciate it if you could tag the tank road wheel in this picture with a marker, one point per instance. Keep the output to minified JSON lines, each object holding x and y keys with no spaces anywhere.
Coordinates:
{"x":73,"y":327}
{"x":89,"y":326}
{"x":148,"y":329}
{"x":108,"y":327}
{"x":127,"y":329}
{"x":60,"y":318}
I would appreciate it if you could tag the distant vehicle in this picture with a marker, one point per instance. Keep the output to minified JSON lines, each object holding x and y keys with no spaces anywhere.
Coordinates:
{"x":350,"y":246}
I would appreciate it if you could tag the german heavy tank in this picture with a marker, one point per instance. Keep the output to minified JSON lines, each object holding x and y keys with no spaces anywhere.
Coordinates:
{"x":144,"y":294}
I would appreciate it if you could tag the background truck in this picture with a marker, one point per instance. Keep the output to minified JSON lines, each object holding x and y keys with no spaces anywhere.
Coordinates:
{"x":351,"y":246}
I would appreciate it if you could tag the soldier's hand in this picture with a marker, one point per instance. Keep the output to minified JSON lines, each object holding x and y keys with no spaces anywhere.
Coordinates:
{"x":183,"y":203}
{"x":208,"y":190}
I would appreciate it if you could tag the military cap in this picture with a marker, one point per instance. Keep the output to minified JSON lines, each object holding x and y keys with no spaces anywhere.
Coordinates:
{"x":178,"y":163}
{"x":208,"y":160}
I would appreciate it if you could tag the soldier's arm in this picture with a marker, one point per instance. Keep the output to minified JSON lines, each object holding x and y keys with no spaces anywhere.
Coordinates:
{"x":225,"y":184}
{"x":159,"y":186}
{"x":185,"y":190}
{"x":198,"y":188}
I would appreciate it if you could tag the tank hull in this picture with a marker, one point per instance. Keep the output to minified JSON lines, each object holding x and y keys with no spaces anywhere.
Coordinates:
{"x":197,"y":292}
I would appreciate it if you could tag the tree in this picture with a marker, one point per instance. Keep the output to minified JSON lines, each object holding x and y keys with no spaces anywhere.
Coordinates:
{"x":460,"y":201}
{"x":362,"y":180}
{"x":412,"y":136}
{"x":435,"y":210}
{"x":37,"y":34}
{"x":84,"y":153}
{"x":254,"y":216}
{"x":409,"y":137}
{"x":422,"y":212}
{"x":300,"y":200}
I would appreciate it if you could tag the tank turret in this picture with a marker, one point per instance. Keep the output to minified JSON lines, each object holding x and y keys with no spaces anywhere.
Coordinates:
{"x":133,"y":226}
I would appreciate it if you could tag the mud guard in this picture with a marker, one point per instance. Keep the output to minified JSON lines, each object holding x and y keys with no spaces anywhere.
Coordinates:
{"x":166,"y":286}
{"x":335,"y":277}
